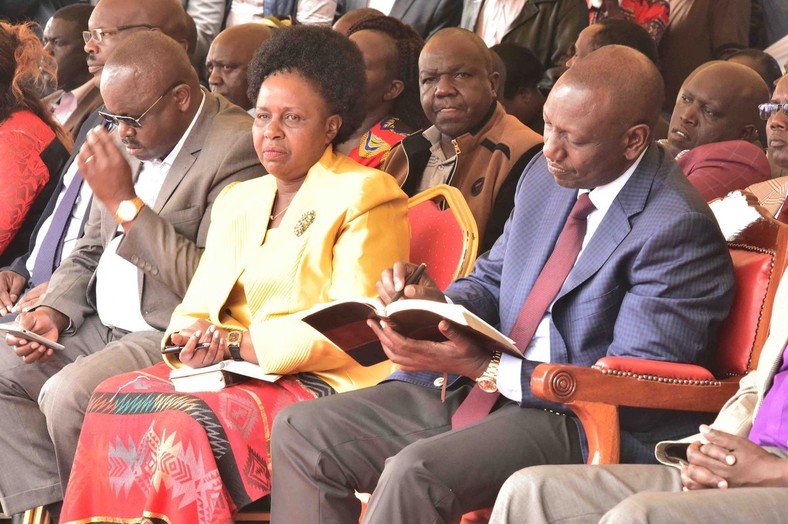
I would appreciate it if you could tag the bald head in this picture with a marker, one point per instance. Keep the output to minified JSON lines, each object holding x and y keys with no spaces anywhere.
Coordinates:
{"x":149,"y":77}
{"x":353,"y":17}
{"x":599,"y":115}
{"x":717,"y":102}
{"x":625,"y":80}
{"x":461,"y":40}
{"x":228,"y":60}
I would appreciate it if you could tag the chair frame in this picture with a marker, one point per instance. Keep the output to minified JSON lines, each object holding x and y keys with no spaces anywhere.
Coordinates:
{"x":595,"y":394}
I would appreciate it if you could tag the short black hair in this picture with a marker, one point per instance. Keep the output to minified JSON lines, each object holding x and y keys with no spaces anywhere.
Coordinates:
{"x":77,"y":14}
{"x":770,"y":65}
{"x":523,"y":68}
{"x":615,"y":31}
{"x":326,"y":58}
{"x":407,"y":106}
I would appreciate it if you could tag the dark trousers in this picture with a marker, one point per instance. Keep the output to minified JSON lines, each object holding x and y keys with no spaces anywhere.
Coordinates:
{"x":395,"y":440}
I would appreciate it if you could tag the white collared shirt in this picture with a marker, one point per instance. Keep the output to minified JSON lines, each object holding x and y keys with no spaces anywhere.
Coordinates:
{"x":118,"y":299}
{"x":384,"y":6}
{"x":509,"y":371}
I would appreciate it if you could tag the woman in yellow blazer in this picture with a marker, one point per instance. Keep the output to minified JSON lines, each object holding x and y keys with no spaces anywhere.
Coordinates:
{"x":320,"y":227}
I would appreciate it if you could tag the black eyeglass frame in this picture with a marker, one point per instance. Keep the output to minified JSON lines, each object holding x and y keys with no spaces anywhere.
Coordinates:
{"x":98,"y":33}
{"x":769,"y":109}
{"x":115,"y":120}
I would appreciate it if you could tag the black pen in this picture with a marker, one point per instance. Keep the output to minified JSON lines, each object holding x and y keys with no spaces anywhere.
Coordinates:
{"x":177,"y":349}
{"x":412,"y":279}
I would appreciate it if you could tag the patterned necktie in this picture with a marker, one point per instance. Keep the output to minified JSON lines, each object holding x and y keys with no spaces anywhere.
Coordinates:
{"x":478,"y":403}
{"x":51,"y":245}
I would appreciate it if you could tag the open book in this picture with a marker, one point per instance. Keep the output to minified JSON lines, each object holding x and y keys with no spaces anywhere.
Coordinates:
{"x":344,"y":323}
{"x":215,"y":377}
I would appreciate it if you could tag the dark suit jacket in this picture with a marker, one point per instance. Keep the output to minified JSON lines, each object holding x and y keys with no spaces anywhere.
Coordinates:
{"x":655,"y":281}
{"x":167,"y":240}
{"x":424,"y":17}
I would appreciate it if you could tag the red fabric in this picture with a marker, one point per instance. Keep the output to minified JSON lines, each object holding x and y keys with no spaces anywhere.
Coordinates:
{"x":737,"y":337}
{"x":375,"y":144}
{"x":186,"y":458}
{"x":641,"y":366}
{"x":23,"y":175}
{"x":718,"y":168}
{"x":653,"y":15}
{"x":435,"y":239}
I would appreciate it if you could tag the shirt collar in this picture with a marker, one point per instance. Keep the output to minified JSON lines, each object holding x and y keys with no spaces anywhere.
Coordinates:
{"x":602,"y":196}
{"x":170,"y":158}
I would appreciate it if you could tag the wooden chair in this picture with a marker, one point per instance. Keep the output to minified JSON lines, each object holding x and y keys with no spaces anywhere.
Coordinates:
{"x":759,"y":254}
{"x":443,"y":234}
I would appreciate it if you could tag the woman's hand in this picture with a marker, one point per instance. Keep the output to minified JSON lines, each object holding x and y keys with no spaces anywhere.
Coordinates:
{"x":203,"y":343}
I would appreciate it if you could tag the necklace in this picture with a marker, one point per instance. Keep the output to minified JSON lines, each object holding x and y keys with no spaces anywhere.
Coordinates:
{"x":274,"y":217}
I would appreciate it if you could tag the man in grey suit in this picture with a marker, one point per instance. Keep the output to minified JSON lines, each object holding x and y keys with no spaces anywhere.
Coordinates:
{"x":109,"y":300}
{"x":653,"y":279}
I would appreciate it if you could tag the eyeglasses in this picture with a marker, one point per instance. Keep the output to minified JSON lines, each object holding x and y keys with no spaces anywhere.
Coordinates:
{"x":771,"y":108}
{"x":136,"y":123}
{"x":98,"y":34}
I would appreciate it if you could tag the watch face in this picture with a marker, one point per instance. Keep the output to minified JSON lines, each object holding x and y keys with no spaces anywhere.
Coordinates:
{"x":234,"y":337}
{"x":487,"y":385}
{"x":126,"y":210}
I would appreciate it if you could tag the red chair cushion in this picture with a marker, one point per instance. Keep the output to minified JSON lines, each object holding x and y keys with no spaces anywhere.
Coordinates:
{"x":752,"y":272}
{"x":656,"y":368}
{"x":436,"y":239}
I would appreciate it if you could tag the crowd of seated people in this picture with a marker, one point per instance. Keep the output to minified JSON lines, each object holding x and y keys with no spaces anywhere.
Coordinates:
{"x":234,"y":164}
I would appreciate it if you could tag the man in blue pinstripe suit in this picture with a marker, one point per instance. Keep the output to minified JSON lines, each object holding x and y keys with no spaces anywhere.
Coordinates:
{"x":653,"y":280}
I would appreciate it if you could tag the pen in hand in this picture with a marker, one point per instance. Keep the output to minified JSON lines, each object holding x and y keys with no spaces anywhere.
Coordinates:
{"x":412,"y":279}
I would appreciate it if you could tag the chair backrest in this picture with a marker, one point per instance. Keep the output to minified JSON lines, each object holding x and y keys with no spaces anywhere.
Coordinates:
{"x":759,"y":253}
{"x":443,"y":233}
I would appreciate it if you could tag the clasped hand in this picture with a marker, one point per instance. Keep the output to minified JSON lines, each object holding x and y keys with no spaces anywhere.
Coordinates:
{"x":44,"y":321}
{"x":729,"y":461}
{"x":201,"y":332}
{"x":460,"y":354}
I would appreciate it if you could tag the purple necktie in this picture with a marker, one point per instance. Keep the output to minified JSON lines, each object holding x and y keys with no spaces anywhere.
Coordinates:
{"x":51,"y":245}
{"x":478,"y":403}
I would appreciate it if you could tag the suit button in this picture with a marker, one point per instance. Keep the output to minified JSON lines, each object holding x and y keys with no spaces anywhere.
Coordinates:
{"x":147,"y":267}
{"x":134,"y":259}
{"x":438,"y":382}
{"x":154,"y":272}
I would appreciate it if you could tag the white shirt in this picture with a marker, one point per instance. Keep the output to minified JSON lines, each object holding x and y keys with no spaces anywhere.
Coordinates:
{"x":495,"y":18}
{"x":307,"y":12}
{"x":384,"y":6}
{"x":118,"y":298}
{"x":510,"y":369}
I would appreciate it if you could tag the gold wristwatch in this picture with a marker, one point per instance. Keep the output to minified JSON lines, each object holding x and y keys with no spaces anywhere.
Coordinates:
{"x":234,"y":339}
{"x":128,"y":210}
{"x":488,"y":381}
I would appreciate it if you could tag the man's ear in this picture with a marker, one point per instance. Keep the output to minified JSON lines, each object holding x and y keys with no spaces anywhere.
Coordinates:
{"x":183,"y":96}
{"x":333,"y":125}
{"x":495,"y":80}
{"x":396,"y":87}
{"x":749,"y":133}
{"x":636,"y":138}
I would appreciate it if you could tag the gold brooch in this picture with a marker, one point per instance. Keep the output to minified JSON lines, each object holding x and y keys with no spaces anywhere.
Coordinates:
{"x":303,"y":223}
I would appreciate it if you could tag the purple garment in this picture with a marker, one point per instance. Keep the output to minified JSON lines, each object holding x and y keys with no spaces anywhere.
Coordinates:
{"x":770,"y":427}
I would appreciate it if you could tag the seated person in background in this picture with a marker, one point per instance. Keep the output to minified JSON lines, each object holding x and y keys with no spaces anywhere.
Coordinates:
{"x":654,"y":280}
{"x":319,"y":228}
{"x":777,"y":129}
{"x":651,"y":15}
{"x":33,"y":147}
{"x":715,"y":126}
{"x":473,"y":144}
{"x":735,"y":471}
{"x":228,"y":60}
{"x":391,"y":96}
{"x":521,"y":96}
{"x":112,"y":297}
{"x":546,"y":28}
{"x":77,"y":97}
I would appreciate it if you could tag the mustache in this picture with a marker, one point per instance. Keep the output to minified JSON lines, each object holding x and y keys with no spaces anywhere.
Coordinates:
{"x":130,"y":142}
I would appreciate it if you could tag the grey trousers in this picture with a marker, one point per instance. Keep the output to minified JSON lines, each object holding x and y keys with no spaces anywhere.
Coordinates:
{"x":394,"y":440}
{"x":630,"y":494}
{"x":42,"y":407}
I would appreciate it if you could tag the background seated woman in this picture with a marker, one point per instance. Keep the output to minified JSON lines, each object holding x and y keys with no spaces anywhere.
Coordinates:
{"x":320,"y":227}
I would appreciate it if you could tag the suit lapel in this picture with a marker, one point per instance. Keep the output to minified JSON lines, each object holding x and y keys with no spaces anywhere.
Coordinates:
{"x":188,"y":153}
{"x":615,"y":226}
{"x":400,"y":7}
